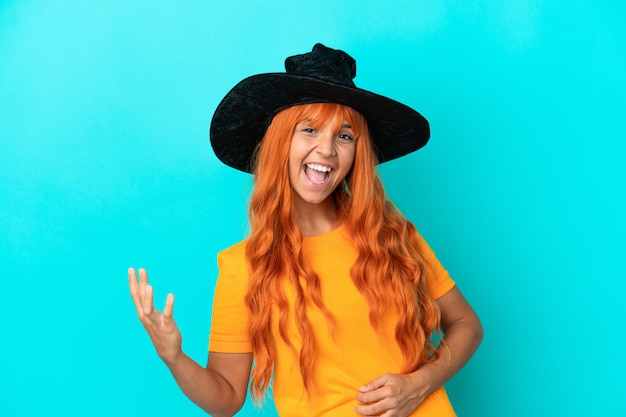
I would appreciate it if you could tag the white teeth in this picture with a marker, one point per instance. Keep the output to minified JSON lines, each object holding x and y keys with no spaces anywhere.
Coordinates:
{"x":318,"y":167}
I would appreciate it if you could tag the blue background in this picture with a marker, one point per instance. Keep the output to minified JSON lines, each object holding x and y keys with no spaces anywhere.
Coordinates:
{"x":105,"y":163}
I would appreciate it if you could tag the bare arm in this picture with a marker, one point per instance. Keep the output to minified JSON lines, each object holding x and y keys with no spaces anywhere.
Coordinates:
{"x":220,"y":388}
{"x":400,"y":395}
{"x":463,"y":333}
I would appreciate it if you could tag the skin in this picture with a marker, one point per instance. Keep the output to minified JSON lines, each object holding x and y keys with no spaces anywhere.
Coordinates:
{"x":400,"y":394}
{"x":220,"y":388}
{"x":322,"y":148}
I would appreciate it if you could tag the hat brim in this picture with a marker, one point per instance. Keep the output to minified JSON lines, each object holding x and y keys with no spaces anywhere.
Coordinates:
{"x":241,"y":119}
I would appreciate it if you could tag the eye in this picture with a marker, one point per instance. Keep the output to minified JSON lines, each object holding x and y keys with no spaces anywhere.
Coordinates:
{"x":345,"y":136}
{"x":305,"y":129}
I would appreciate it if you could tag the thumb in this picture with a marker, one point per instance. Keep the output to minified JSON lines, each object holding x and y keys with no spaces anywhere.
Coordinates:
{"x":375,"y":384}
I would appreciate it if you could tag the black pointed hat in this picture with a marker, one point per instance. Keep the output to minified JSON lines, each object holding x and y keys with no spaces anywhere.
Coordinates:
{"x":321,"y":76}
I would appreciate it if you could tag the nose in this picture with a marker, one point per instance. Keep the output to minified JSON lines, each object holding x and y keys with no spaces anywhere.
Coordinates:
{"x":326,"y":144}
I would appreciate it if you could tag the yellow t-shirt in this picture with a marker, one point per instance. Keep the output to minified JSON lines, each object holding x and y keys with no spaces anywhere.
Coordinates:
{"x":353,"y":356}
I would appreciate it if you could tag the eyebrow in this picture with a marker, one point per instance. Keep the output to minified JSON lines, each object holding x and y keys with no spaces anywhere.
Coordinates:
{"x":343,"y":126}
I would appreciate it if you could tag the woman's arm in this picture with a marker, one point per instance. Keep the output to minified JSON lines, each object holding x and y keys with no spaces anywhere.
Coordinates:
{"x":220,"y":388}
{"x":463,"y":332}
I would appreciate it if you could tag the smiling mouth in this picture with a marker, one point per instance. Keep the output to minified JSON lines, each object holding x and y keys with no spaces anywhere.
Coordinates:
{"x":317,"y":173}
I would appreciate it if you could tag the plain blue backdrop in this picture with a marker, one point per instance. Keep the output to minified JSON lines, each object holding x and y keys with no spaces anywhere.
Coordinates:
{"x":105,"y":163}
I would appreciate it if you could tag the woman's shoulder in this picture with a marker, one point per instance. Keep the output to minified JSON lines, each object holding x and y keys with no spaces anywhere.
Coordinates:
{"x":237,"y":250}
{"x":232,"y":263}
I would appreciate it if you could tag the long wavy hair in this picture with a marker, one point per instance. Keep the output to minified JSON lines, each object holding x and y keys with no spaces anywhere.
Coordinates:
{"x":390,"y":271}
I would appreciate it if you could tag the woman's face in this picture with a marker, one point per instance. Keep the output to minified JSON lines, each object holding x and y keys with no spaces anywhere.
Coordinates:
{"x":319,"y":159}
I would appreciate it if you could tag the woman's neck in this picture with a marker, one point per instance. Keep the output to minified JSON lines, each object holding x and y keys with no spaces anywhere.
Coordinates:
{"x":316,"y":219}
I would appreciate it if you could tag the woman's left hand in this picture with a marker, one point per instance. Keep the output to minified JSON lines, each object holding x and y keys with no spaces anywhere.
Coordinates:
{"x":396,"y":395}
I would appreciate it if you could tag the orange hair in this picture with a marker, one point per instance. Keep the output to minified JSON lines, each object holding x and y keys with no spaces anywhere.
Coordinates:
{"x":389,"y":271}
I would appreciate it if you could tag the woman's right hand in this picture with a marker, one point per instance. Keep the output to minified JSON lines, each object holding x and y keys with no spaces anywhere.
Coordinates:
{"x":160,"y":326}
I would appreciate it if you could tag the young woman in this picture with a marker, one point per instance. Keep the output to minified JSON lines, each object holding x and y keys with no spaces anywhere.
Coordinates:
{"x":334,"y":302}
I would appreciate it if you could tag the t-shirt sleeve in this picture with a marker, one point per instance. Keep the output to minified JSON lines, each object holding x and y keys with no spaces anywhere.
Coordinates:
{"x":229,"y":320}
{"x":438,"y":280}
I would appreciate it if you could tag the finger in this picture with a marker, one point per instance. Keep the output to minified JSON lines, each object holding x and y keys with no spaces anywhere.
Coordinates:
{"x":371,"y":396}
{"x":169,"y":307}
{"x":143,"y":283}
{"x":132,"y":282}
{"x":373,"y":391}
{"x":147,"y":303}
{"x":134,"y":291}
{"x":150,"y":312}
{"x":375,"y":384}
{"x":375,"y":409}
{"x":143,"y":276}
